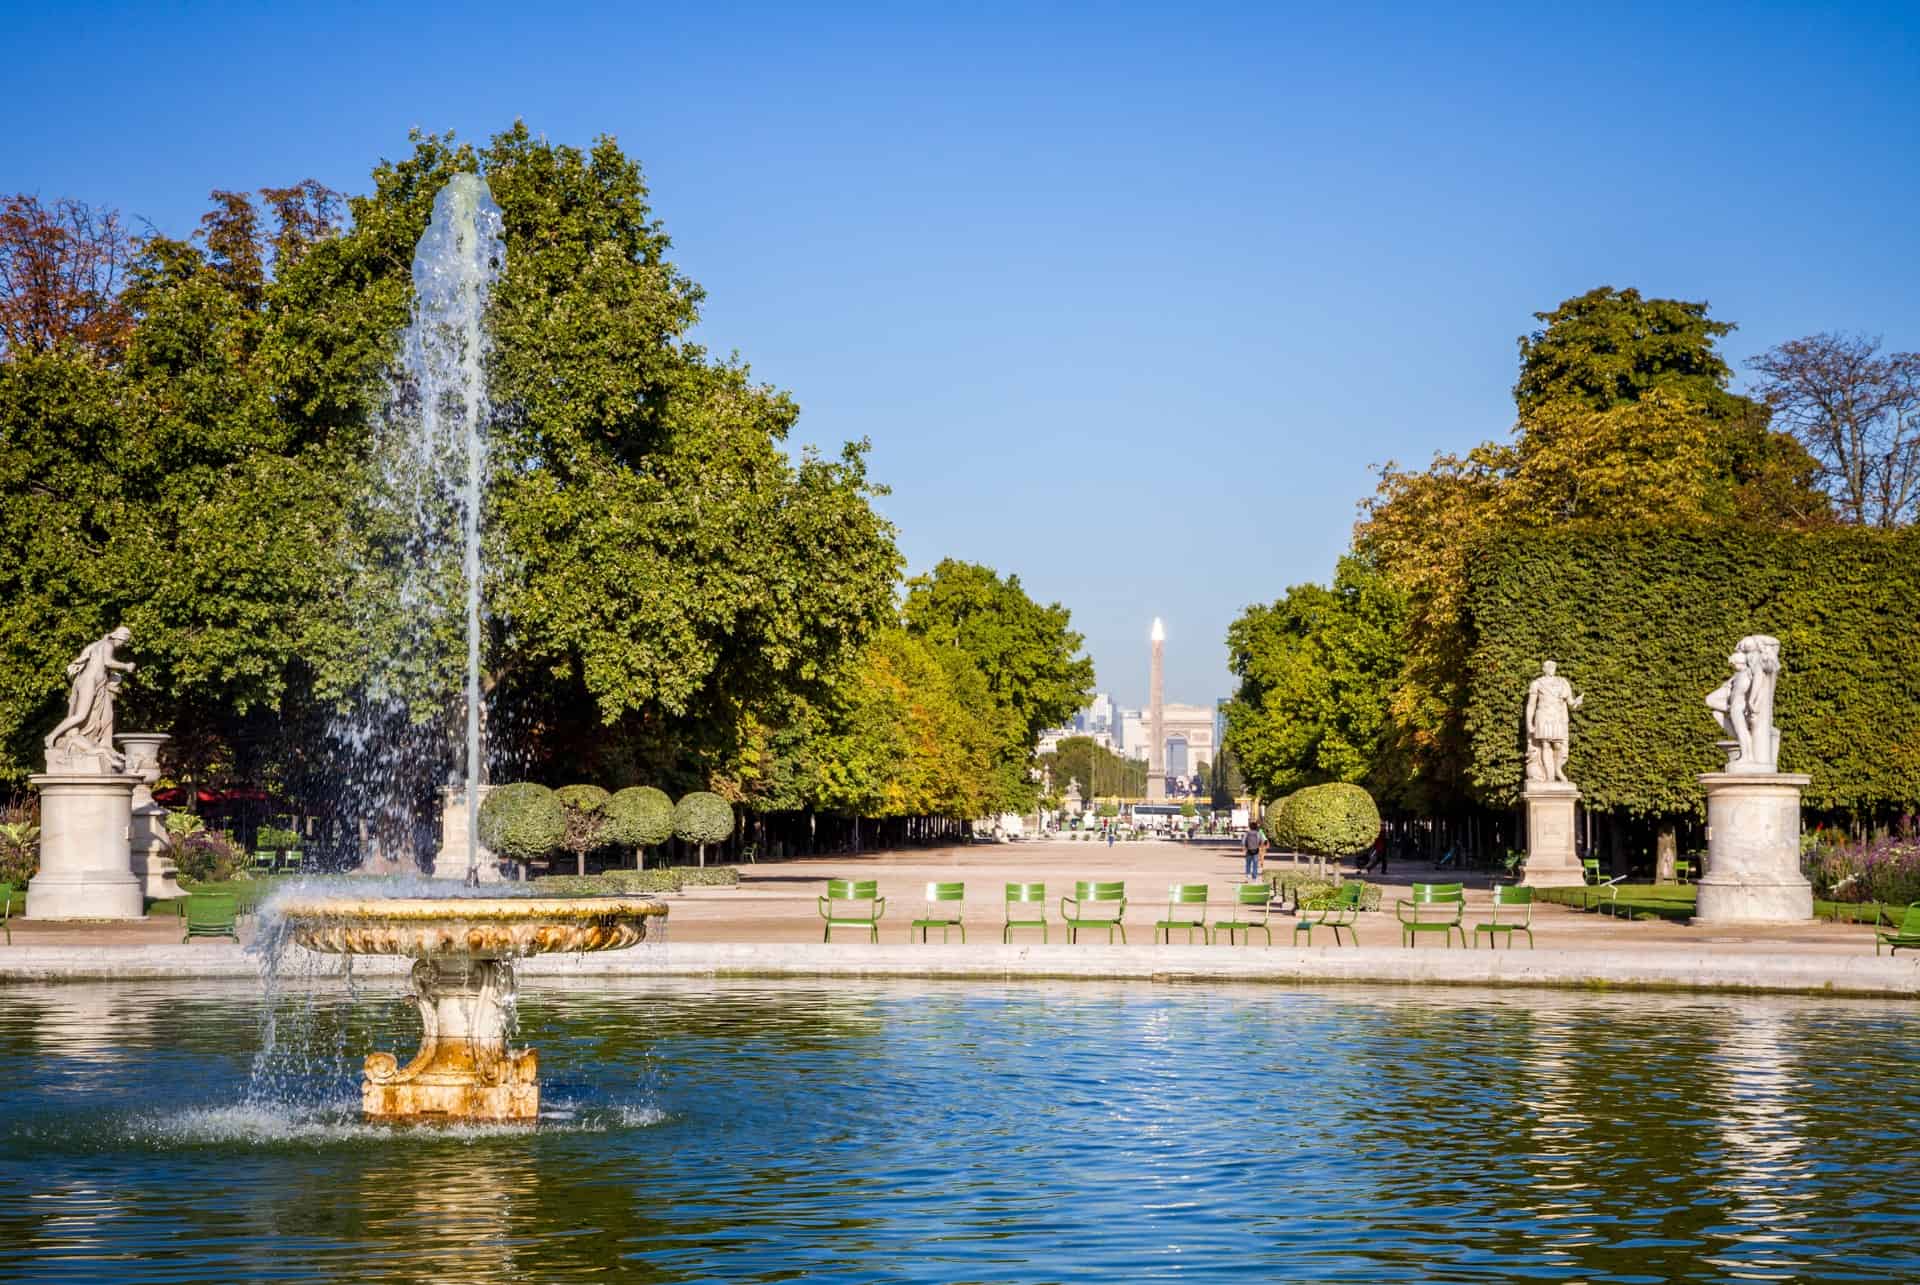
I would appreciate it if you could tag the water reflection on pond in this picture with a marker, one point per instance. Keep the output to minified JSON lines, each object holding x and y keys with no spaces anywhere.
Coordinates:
{"x":853,"y":1131}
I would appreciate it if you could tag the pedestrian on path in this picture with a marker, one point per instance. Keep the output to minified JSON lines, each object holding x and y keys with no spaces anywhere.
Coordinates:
{"x":1256,"y":843}
{"x":1109,"y":836}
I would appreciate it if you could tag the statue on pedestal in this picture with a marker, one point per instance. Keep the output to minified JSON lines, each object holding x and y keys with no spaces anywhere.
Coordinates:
{"x":1550,"y":704}
{"x":1743,"y":705}
{"x":86,"y":733}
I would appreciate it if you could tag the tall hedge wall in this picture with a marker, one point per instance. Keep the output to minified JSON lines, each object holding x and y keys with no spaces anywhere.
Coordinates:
{"x":1642,"y":624}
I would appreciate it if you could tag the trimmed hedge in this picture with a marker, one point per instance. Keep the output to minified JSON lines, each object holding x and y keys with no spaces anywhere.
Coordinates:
{"x":1334,"y":820}
{"x":639,"y":817}
{"x":702,"y":818}
{"x":1278,"y":825}
{"x":1642,"y":623}
{"x":636,"y":883}
{"x":522,"y":822}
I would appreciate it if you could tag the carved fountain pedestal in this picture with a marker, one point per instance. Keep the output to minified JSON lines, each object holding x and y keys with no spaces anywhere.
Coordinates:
{"x":463,"y":950}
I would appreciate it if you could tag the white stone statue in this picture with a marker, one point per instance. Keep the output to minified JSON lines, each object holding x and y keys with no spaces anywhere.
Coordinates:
{"x":86,"y":733}
{"x":1550,"y":704}
{"x":1743,"y":705}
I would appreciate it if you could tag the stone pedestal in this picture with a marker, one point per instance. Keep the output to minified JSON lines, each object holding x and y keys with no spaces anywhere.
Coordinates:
{"x":1753,"y":850}
{"x":86,"y":869}
{"x":151,"y":847}
{"x":1552,"y":861}
{"x":464,"y":1069}
{"x":450,"y":862}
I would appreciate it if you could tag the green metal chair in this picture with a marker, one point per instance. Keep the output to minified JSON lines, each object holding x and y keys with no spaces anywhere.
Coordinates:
{"x":1508,"y":896}
{"x":842,"y":907}
{"x":1434,"y":908}
{"x":942,"y":912}
{"x":263,"y":862}
{"x":1904,"y":937}
{"x":1024,"y":895}
{"x":1088,"y":902}
{"x":293,"y":861}
{"x":1338,"y":913}
{"x":212,"y":914}
{"x":1683,"y":869}
{"x":1254,"y":905}
{"x":1590,"y":869}
{"x":1179,"y":897}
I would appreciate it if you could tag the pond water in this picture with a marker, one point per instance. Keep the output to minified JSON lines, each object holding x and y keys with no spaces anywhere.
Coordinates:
{"x":927,"y":1132}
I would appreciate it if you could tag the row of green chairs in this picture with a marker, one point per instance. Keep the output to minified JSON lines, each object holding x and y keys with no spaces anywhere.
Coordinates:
{"x":1099,"y":906}
{"x":268,"y":862}
{"x":1441,"y":908}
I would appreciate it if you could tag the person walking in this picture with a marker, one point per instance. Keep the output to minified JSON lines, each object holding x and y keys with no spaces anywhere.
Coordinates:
{"x":1255,"y":844}
{"x":1110,"y":835}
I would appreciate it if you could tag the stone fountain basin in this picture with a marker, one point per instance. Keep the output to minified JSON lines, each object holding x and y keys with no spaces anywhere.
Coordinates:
{"x":474,"y":927}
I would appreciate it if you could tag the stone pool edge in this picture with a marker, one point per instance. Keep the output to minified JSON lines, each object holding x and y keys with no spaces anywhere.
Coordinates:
{"x":1750,"y":972}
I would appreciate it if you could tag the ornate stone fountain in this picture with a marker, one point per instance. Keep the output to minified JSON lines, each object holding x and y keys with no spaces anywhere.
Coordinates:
{"x":463,"y":950}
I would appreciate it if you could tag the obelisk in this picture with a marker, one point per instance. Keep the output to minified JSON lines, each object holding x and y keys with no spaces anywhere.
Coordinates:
{"x":1156,"y":735}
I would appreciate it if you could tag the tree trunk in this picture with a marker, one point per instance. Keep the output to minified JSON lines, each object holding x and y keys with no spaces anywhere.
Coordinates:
{"x":580,"y":863}
{"x":1667,"y":850}
{"x":703,"y":856}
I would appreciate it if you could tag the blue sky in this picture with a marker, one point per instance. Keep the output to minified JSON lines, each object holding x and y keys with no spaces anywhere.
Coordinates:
{"x":1128,"y":298}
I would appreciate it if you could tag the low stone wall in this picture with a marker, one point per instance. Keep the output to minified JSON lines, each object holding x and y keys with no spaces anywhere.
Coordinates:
{"x":1749,"y":971}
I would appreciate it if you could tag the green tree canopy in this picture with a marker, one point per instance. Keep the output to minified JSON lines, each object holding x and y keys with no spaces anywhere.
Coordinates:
{"x":1316,"y":674}
{"x":663,"y":571}
{"x":1027,"y":658}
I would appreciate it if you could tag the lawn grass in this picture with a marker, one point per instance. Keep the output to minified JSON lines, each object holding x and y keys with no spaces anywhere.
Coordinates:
{"x":1676,"y":902}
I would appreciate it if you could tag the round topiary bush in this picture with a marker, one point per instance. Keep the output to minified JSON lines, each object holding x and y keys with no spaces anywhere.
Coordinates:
{"x":586,"y":809}
{"x":1335,"y":820}
{"x":702,"y":818}
{"x":639,"y":817}
{"x":522,"y":822}
{"x":1278,"y":824}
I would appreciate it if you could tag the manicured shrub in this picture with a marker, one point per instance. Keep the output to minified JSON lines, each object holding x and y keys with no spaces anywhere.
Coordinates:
{"x":1336,"y":820}
{"x":207,"y":856}
{"x":522,"y":822}
{"x":19,"y":843}
{"x":608,"y":883}
{"x":585,"y":807}
{"x":1277,"y":823}
{"x":705,"y":876}
{"x":639,"y":817}
{"x":702,"y":818}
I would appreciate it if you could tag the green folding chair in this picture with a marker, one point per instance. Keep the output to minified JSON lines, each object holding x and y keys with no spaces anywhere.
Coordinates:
{"x":212,"y":914}
{"x":1023,"y":899}
{"x":1089,"y":905}
{"x":1433,"y":908}
{"x":852,"y":903}
{"x":1180,"y":897}
{"x":942,"y":912}
{"x":1253,"y":908}
{"x":1338,"y":913}
{"x":1508,"y":897}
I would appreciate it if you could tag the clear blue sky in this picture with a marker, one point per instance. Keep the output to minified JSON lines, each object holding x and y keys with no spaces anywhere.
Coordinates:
{"x":1127,"y":297}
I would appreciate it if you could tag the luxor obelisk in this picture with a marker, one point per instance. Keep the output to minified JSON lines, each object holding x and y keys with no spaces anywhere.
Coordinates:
{"x":1156,"y":738}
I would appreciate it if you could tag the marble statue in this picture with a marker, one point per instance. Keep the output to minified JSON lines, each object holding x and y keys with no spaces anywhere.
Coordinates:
{"x":1550,"y":704}
{"x":87,"y":730}
{"x":1743,"y":705}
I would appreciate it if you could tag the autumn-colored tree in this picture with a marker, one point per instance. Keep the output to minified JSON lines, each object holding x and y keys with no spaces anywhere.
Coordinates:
{"x":1624,"y":417}
{"x":62,"y":267}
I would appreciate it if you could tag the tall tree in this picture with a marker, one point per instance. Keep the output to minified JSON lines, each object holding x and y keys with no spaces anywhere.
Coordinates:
{"x":666,"y":577}
{"x":1624,"y":416}
{"x":62,"y":267}
{"x":1316,"y":673}
{"x":1029,"y":657}
{"x":1858,"y":412}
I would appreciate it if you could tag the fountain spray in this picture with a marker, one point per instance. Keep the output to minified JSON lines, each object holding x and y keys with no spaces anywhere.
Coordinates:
{"x":455,"y":265}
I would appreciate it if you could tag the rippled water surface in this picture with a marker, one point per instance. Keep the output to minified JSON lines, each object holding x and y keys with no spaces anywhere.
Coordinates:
{"x":919,"y":1132}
